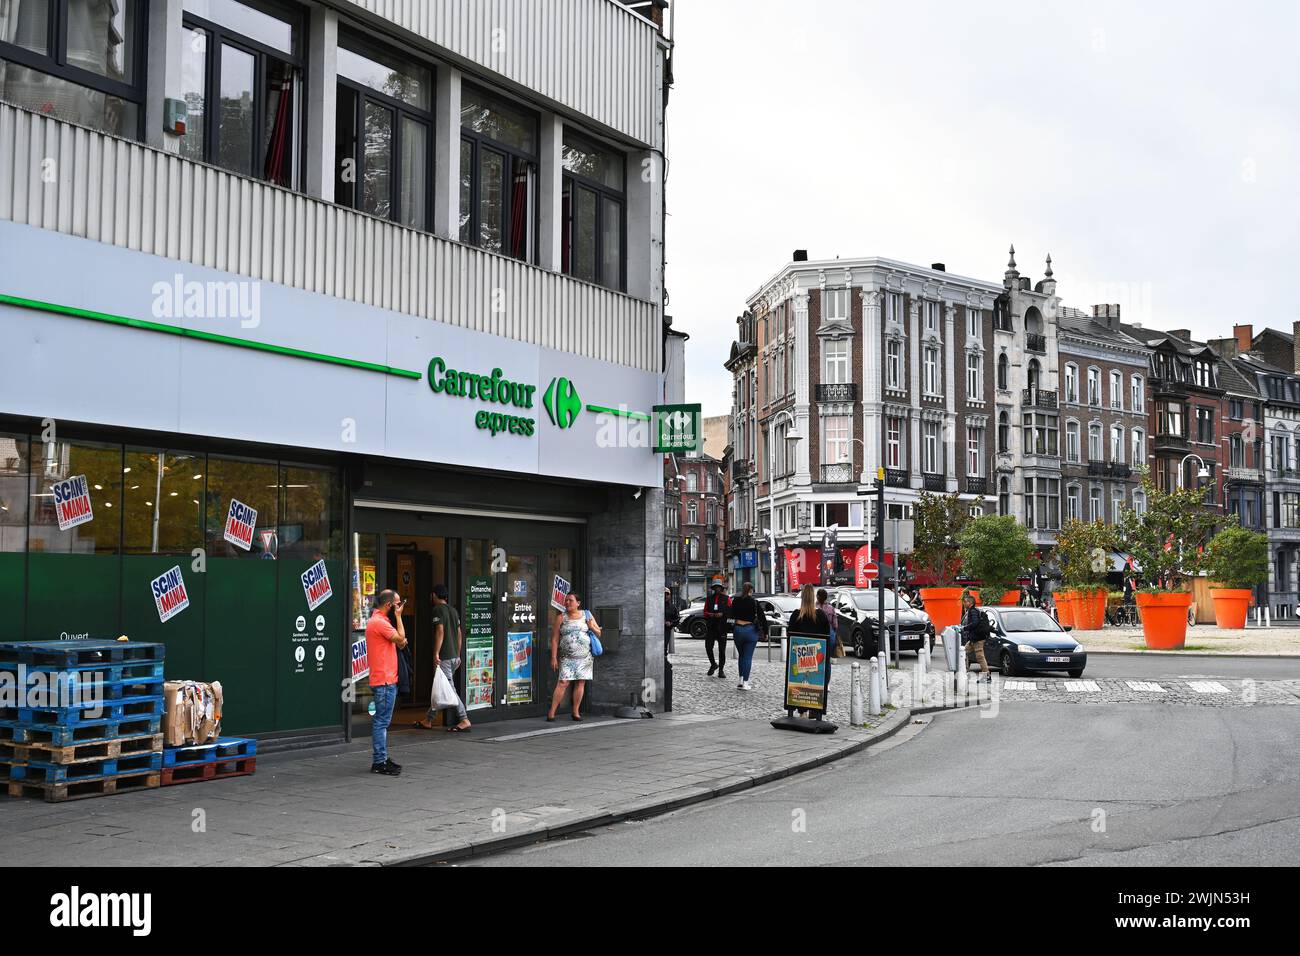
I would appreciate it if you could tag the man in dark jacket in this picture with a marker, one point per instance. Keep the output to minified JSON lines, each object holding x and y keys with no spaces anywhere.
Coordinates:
{"x":716,"y":609}
{"x":974,"y":632}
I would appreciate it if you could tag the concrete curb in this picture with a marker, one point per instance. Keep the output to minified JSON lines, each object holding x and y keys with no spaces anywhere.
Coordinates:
{"x":650,"y":807}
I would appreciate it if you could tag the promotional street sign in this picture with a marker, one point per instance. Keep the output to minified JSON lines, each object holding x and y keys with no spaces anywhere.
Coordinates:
{"x":169,"y":594}
{"x":480,"y":665}
{"x":806,"y":671}
{"x":519,"y":667}
{"x":316,"y":585}
{"x":240,"y":522}
{"x":72,"y":502}
{"x":559,"y":591}
{"x":360,"y":661}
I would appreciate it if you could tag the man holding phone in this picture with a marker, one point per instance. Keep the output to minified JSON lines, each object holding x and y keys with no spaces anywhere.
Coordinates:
{"x":382,"y":643}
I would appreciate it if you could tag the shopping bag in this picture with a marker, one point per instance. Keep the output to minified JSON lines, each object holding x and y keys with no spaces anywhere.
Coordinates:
{"x":444,"y":695}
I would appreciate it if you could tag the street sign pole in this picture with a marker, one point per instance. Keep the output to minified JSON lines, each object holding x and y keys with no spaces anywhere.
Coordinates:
{"x":880,"y":551}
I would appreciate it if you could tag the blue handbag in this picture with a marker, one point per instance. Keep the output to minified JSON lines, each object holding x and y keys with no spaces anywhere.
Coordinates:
{"x":596,"y":648}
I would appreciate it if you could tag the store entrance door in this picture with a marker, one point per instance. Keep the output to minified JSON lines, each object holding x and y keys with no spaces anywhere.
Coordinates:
{"x":523,"y":617}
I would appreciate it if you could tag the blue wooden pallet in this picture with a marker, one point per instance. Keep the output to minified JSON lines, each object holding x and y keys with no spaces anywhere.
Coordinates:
{"x":88,"y":712}
{"x":101,"y":787}
{"x":57,"y":686}
{"x":105,"y":671}
{"x":52,"y":773}
{"x":225,"y":748}
{"x":64,"y":654}
{"x":84,"y":731}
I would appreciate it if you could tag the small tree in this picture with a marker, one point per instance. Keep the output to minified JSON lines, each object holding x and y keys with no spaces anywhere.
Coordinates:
{"x":1083,"y":551}
{"x":995,"y":549}
{"x":1237,"y":558}
{"x":1167,"y":541}
{"x":938,"y":520}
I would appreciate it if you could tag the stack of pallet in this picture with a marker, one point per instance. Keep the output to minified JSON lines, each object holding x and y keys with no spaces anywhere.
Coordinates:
{"x":227,"y":757}
{"x":80,"y":718}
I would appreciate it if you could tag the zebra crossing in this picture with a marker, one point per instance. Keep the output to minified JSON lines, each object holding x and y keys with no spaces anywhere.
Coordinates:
{"x":1190,"y":690}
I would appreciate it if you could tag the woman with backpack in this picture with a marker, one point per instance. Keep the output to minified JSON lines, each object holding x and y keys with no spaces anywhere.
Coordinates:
{"x":571,"y":652}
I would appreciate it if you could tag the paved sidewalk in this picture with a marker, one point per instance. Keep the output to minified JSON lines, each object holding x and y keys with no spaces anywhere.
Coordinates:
{"x":503,"y":785}
{"x":1201,"y":639}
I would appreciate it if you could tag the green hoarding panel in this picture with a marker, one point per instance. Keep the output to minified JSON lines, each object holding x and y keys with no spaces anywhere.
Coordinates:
{"x":13,"y":596}
{"x":239,"y":647}
{"x":309,"y":647}
{"x":182,"y":632}
{"x":73,"y":596}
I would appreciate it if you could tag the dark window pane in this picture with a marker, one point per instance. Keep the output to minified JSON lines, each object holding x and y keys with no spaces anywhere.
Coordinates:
{"x":345,"y":147}
{"x":376,"y":195}
{"x":605,"y":166}
{"x":278,"y":135}
{"x":611,"y":244}
{"x":466,"y":181}
{"x":491,"y":172}
{"x":100,"y":35}
{"x":252,"y":483}
{"x":243,"y":19}
{"x":194,"y":90}
{"x":583,"y":258}
{"x":70,"y":102}
{"x":26,"y":23}
{"x":312,"y":525}
{"x":162,"y":502}
{"x":385,"y":72}
{"x":14,"y":469}
{"x":496,"y":119}
{"x":235,"y":132}
{"x":104,"y":473}
{"x":521,"y":208}
{"x":415,"y":173}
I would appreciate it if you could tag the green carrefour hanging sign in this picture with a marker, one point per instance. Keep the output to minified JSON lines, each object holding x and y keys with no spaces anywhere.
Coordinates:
{"x":677,"y":428}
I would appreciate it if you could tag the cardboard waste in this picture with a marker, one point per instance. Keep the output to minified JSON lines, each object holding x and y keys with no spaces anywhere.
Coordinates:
{"x":193,"y":712}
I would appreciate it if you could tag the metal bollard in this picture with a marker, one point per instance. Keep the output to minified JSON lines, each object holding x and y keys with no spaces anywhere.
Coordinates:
{"x":918,"y":680}
{"x":883,"y":658}
{"x":873,"y":704}
{"x":855,"y":702}
{"x":963,"y":675}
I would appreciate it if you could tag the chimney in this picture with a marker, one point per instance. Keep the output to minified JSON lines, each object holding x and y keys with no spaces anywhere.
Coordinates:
{"x":938,"y":267}
{"x":1109,"y":311}
{"x":1181,"y":333}
{"x":801,"y":255}
{"x":1244,"y":334}
{"x":1227,"y":348}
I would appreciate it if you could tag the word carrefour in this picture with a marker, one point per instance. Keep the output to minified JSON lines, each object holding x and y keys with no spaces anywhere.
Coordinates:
{"x":494,"y":389}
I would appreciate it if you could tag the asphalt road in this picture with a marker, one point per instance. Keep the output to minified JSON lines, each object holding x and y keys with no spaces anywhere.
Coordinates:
{"x":1040,"y":784}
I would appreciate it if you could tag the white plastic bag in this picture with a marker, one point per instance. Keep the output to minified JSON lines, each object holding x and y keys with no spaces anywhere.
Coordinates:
{"x":444,"y":695}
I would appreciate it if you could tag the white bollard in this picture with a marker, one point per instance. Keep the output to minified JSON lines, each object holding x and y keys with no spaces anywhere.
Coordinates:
{"x":873,"y":705}
{"x":963,"y":675}
{"x":1267,"y":622}
{"x":883,"y":659}
{"x":855,"y":702}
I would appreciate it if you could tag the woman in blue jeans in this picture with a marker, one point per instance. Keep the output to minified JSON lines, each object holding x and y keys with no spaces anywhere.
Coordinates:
{"x":750,"y":622}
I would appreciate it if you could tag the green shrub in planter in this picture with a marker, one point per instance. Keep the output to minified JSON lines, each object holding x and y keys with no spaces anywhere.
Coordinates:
{"x":1083,"y":551}
{"x":1166,"y":540}
{"x":1237,"y":558}
{"x":937,"y":523}
{"x":995,"y":550}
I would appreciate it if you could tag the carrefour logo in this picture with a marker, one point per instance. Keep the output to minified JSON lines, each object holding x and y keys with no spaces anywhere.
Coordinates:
{"x":561,"y":402}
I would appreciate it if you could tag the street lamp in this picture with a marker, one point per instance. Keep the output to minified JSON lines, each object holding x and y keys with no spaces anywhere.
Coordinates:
{"x":792,"y":438}
{"x":1202,"y":473}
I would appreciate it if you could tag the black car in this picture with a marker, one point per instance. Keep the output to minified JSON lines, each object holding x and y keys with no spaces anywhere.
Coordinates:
{"x":1025,"y":640}
{"x":857,"y":621}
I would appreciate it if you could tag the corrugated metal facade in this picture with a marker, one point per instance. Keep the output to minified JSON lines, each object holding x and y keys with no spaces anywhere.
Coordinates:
{"x":128,"y":195}
{"x":593,"y":56}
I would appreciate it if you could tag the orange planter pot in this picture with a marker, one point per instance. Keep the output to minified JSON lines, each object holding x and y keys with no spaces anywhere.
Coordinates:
{"x":1065,"y":608}
{"x":943,"y":605}
{"x":1010,"y":599}
{"x":1164,"y":619}
{"x":1089,"y":609}
{"x":1230,"y":606}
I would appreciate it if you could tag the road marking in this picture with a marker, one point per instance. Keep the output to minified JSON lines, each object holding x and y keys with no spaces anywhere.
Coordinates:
{"x":1019,"y":685}
{"x":1207,"y":687}
{"x":1147,"y":685}
{"x":1082,"y":686}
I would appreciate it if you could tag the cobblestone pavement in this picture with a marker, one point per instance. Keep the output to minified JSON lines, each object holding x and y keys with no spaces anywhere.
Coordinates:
{"x":1204,"y":638}
{"x":694,"y":692}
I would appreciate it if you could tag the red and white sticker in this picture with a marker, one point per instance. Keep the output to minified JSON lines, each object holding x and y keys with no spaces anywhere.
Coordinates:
{"x":72,"y":502}
{"x":240,"y":522}
{"x":169,"y":594}
{"x":316,"y":585}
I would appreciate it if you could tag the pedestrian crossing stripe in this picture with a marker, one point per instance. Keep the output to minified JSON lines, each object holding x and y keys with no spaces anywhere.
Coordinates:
{"x":1019,"y":685}
{"x":1082,"y":686}
{"x":1147,"y":685}
{"x":1207,"y":687}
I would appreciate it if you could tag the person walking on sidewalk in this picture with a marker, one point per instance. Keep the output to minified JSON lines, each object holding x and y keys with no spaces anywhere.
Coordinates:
{"x":974,"y":632}
{"x":716,"y":608}
{"x":750,"y":622}
{"x":672,"y":617}
{"x":382,"y":643}
{"x":826,"y":607}
{"x":448,"y":638}
{"x":571,"y":652}
{"x":810,"y":621}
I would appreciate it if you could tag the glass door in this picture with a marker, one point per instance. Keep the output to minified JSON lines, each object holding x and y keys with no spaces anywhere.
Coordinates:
{"x":523,"y":621}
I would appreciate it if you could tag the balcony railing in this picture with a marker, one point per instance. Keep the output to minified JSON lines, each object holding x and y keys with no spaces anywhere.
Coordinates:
{"x":838,"y":392}
{"x":1170,"y":441}
{"x":1034,"y":342}
{"x":976,"y":485}
{"x":1238,"y":473}
{"x":937,"y":483}
{"x":1096,"y":468}
{"x":1038,"y":398}
{"x":1120,"y":470}
{"x":741,"y":468}
{"x":840,"y":473}
{"x":739,"y":538}
{"x":1168,"y":386}
{"x":895,"y":478}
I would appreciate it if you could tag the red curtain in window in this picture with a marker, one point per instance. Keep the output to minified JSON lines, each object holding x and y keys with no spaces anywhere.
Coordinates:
{"x":519,"y":210}
{"x":276,"y":167}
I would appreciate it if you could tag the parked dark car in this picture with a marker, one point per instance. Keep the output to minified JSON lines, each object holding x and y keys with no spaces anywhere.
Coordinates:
{"x":692,"y":622}
{"x":857,"y":621}
{"x":1024,"y":640}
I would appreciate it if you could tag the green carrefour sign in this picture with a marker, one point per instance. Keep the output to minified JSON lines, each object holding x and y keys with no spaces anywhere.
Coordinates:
{"x":677,"y":428}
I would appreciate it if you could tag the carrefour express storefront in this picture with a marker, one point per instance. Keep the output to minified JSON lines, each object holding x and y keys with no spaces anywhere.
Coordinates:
{"x":240,"y":485}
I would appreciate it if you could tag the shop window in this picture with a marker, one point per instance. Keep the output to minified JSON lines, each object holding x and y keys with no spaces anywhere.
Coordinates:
{"x":162,"y":502}
{"x":75,"y":60}
{"x":593,"y":220}
{"x":14,"y":473}
{"x":383,"y":137}
{"x":498,"y":171}
{"x":102,"y":467}
{"x":251,"y":483}
{"x":312,"y":509}
{"x":241,"y":73}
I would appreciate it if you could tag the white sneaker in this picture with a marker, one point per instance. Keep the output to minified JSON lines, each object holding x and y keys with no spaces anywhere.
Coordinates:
{"x":741,"y":686}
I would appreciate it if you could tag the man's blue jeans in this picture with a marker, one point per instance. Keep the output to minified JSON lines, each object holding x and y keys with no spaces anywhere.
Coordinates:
{"x":385,"y":700}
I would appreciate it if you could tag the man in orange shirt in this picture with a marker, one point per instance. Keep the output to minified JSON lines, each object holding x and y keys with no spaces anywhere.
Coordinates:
{"x":382,"y":643}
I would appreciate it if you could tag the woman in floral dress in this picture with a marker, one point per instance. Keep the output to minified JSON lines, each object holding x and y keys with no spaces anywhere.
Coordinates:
{"x":571,"y":653}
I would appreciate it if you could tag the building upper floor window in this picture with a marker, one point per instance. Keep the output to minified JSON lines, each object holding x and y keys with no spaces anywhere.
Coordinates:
{"x":974,"y":324}
{"x":1236,"y":452}
{"x":1139,"y":455}
{"x":383,"y":133}
{"x":974,"y":377}
{"x":1071,"y":382}
{"x":931,"y":311}
{"x":836,"y":361}
{"x":835,"y":305}
{"x":1003,"y":366}
{"x":893,"y":442}
{"x":931,"y":371}
{"x":76,"y":60}
{"x":932,"y":449}
{"x":1117,"y":443}
{"x":1204,"y":425}
{"x":893,"y":307}
{"x":593,"y":216}
{"x":1094,"y":386}
{"x":1138,"y":390}
{"x":692,"y":481}
{"x":1094,"y":442}
{"x":1004,"y":434}
{"x":1169,"y":418}
{"x":498,"y":174}
{"x":893,"y":364}
{"x":1204,"y":373}
{"x":836,"y":432}
{"x":1116,"y":390}
{"x":241,"y":78}
{"x":1071,"y":441}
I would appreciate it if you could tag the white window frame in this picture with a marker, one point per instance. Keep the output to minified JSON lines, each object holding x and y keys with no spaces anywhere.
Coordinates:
{"x":975,"y":324}
{"x":1094,"y":431}
{"x":1074,"y":502}
{"x":1116,"y":390}
{"x":1117,"y":443}
{"x":1138,"y":448}
{"x":1072,"y":383}
{"x":931,"y":449}
{"x":837,"y":430}
{"x":894,"y":364}
{"x":894,"y":426}
{"x":1137,"y":388}
{"x":1073,"y":446}
{"x":835,"y":362}
{"x":1096,"y":504}
{"x":975,"y":451}
{"x":930,"y":357}
{"x":1094,"y":382}
{"x":974,"y":377}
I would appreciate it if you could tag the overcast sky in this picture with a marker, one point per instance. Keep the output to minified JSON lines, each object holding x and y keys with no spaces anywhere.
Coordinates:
{"x":1154,"y":152}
